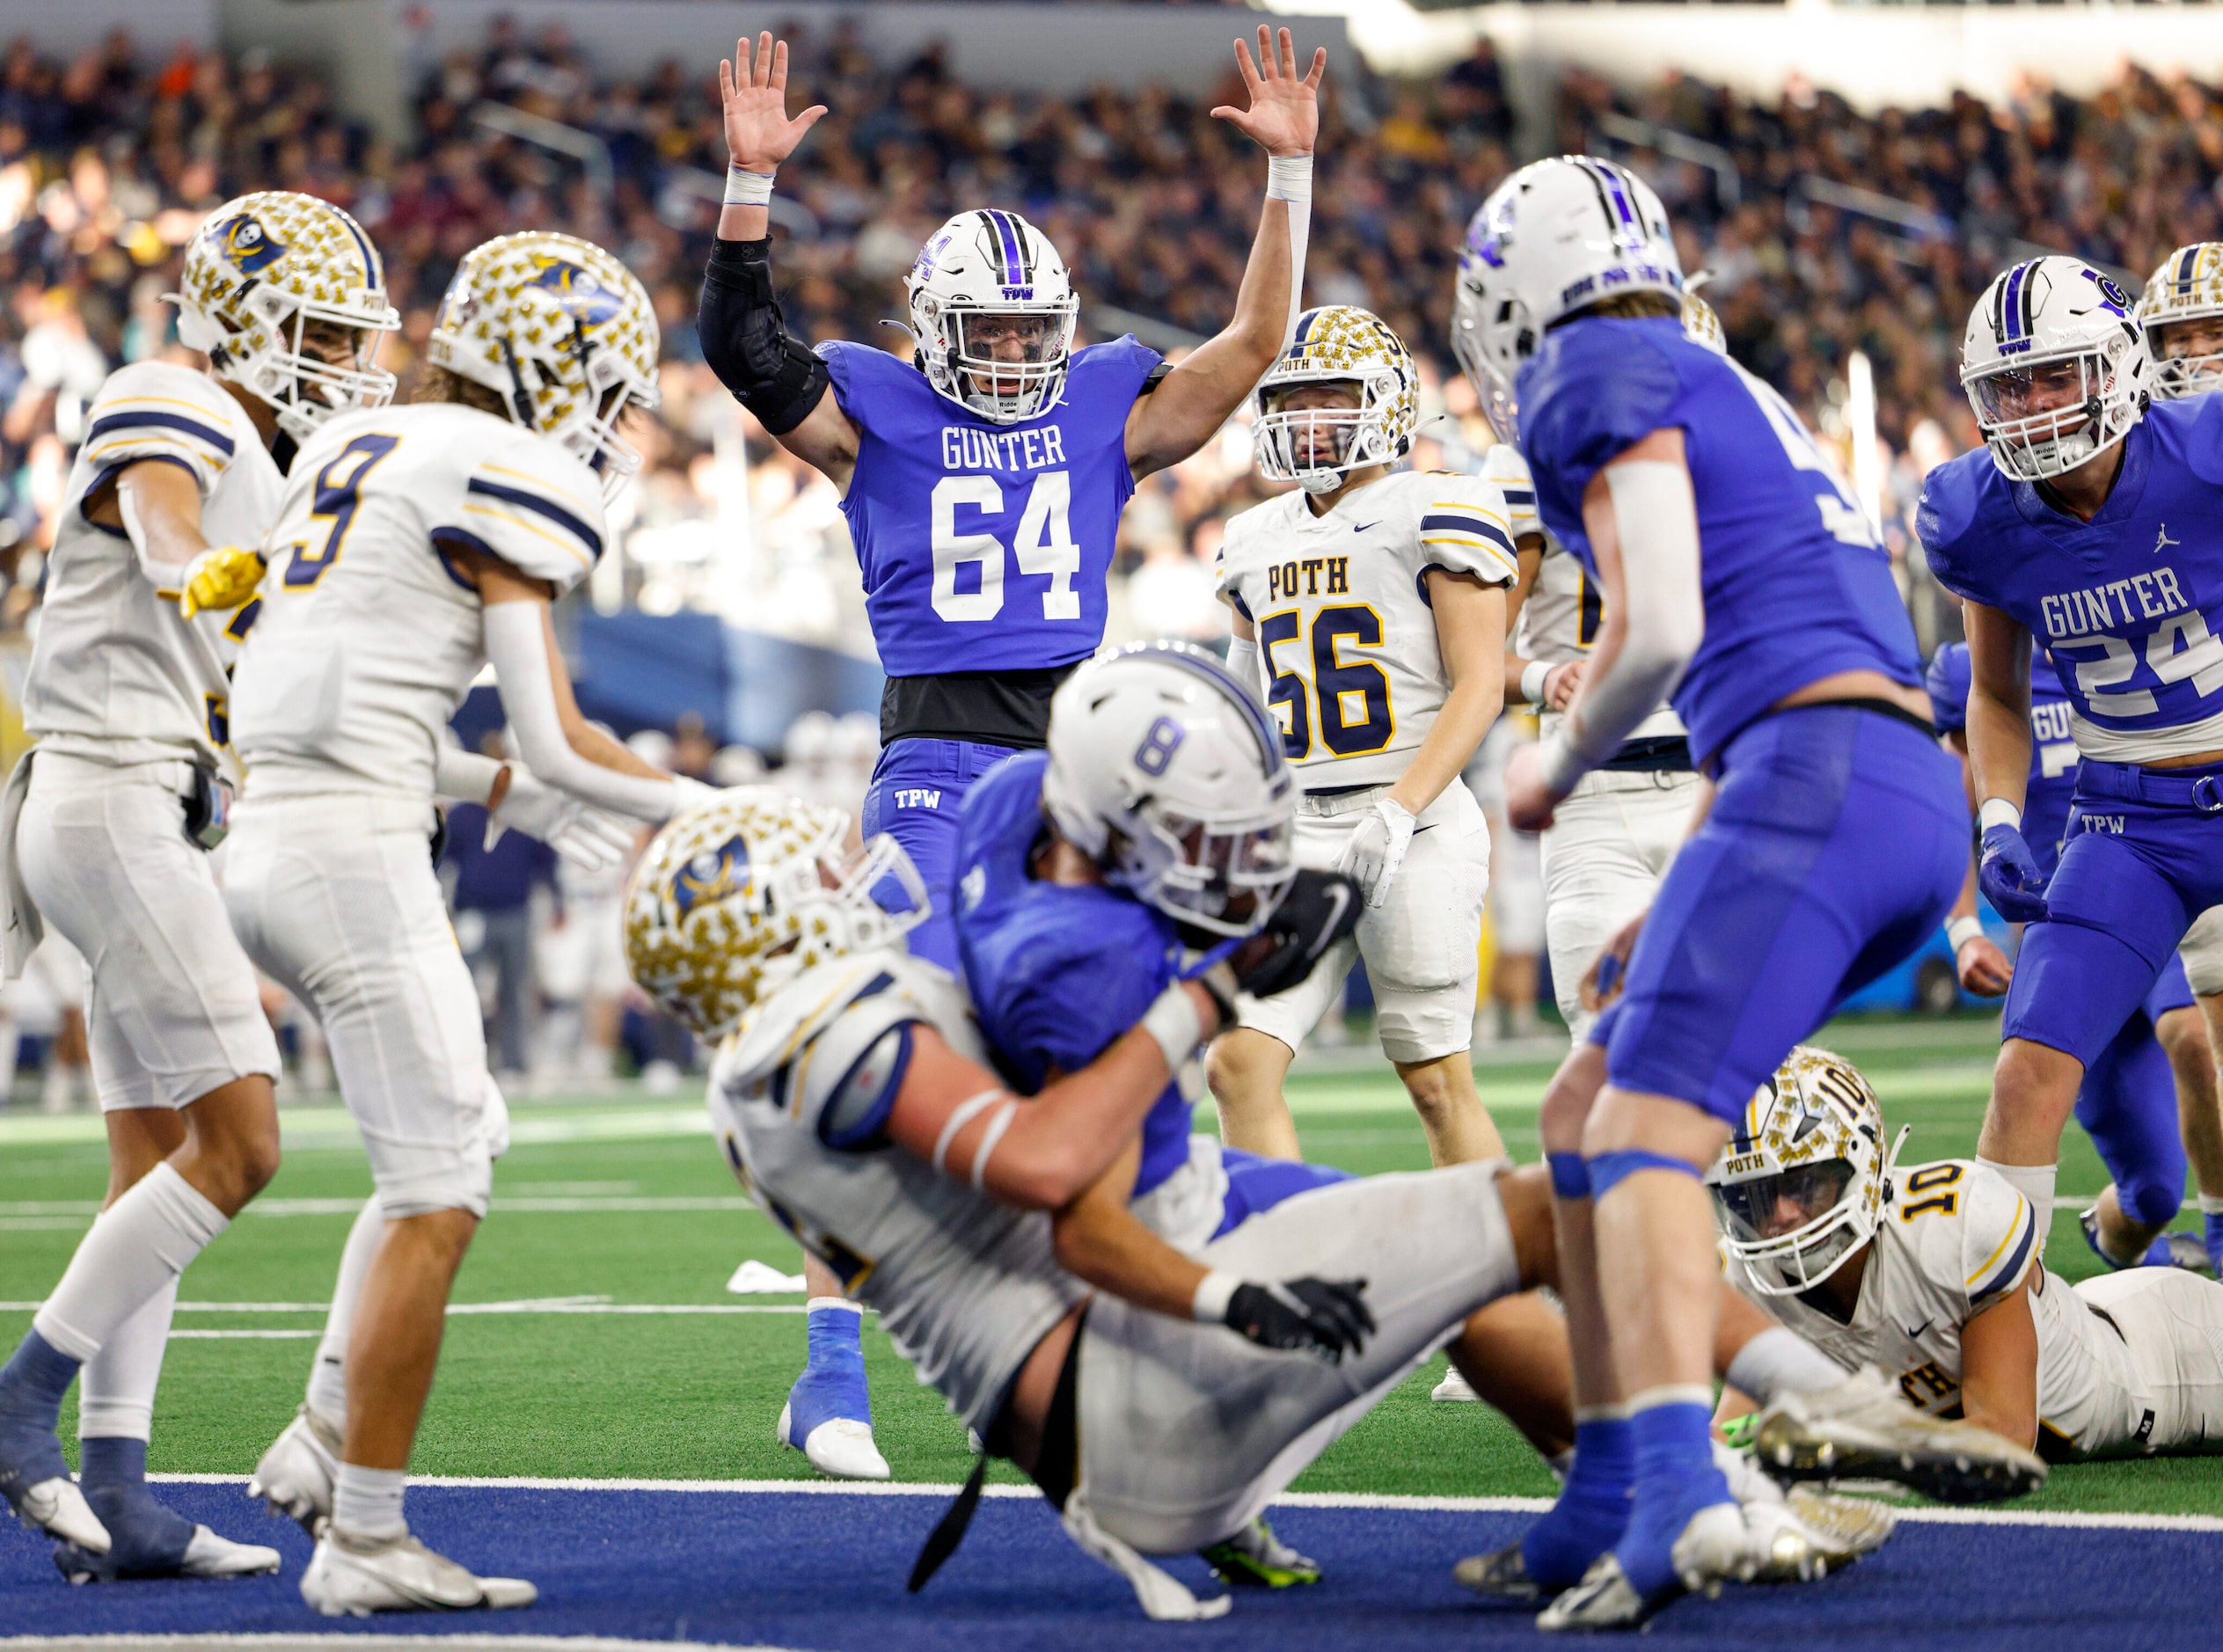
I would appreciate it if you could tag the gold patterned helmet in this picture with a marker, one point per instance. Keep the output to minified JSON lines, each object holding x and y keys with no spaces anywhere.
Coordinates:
{"x":2181,"y":314}
{"x":562,"y":333}
{"x":1702,"y":325}
{"x":1804,"y":1183}
{"x":1318,"y":446}
{"x":740,"y":893}
{"x":258,"y":274}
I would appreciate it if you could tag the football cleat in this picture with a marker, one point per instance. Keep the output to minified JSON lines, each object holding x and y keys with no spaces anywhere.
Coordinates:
{"x":296,"y":1475}
{"x":1862,"y":1429}
{"x":1501,"y":1572}
{"x":56,"y":1506}
{"x":1255,"y":1556}
{"x":2167,"y":1250}
{"x":839,"y":1447}
{"x":355,"y":1577}
{"x":1454,"y":1389}
{"x":1839,"y":1530}
{"x":1605,"y":1599}
{"x":1715,"y":1546}
{"x":206,"y":1556}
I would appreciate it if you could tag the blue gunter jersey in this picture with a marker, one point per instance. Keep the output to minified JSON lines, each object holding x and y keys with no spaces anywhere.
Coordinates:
{"x":1056,"y":971}
{"x":1797,"y":587}
{"x":2052,"y":783}
{"x":986,"y":547}
{"x":2127,"y":604}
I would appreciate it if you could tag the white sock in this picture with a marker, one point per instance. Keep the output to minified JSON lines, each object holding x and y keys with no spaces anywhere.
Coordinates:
{"x":1780,"y":1361}
{"x":328,"y":1377}
{"x":366,"y":1502}
{"x":115,"y":1393}
{"x":141,"y":1243}
{"x":2211,"y":1204}
{"x":2034,"y":1182}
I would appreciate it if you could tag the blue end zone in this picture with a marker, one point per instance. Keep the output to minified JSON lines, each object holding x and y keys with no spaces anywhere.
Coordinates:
{"x":826,"y":1572}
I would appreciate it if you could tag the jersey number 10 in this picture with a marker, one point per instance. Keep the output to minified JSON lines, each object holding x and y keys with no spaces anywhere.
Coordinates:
{"x":1045,"y":543}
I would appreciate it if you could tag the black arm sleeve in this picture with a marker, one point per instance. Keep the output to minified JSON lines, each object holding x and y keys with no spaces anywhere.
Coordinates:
{"x":745,"y":339}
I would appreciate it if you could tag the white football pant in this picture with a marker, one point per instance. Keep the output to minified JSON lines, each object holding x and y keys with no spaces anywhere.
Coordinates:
{"x":1604,"y":854}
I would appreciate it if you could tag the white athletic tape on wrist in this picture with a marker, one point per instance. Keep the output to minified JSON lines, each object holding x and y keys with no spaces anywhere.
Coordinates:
{"x":1289,"y":178}
{"x":1997,"y":811}
{"x":1214,"y":1292}
{"x":748,"y":189}
{"x":1964,"y":930}
{"x":1535,"y":676}
{"x":1173,"y":1019}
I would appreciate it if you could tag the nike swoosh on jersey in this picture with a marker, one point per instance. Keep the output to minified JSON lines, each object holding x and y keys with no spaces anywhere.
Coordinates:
{"x":1919,"y":1329}
{"x":1361,"y":527}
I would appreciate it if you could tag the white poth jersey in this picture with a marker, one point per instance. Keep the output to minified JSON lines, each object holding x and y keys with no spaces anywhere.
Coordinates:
{"x":1563,"y":612}
{"x":1955,"y":1239}
{"x":368,"y":637}
{"x":1347,"y":646}
{"x":964,"y":1286}
{"x":117,"y":677}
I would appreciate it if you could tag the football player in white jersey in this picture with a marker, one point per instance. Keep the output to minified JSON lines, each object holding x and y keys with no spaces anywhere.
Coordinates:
{"x":414,"y":546}
{"x":108,"y":823}
{"x":1370,"y":613}
{"x":1933,"y":1273}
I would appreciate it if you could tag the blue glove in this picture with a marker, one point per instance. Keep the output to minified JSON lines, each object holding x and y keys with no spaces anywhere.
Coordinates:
{"x":2007,"y":874}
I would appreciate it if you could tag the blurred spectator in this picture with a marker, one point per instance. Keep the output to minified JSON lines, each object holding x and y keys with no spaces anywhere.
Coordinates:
{"x":492,"y":900}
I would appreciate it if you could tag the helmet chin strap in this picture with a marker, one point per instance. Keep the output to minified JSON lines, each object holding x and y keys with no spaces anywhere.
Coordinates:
{"x":1318,"y":482}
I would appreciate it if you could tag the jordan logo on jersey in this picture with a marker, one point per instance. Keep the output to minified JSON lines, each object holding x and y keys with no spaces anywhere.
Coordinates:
{"x":2161,"y":540}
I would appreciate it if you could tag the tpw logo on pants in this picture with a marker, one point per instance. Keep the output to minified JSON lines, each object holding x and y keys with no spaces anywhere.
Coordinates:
{"x":914,"y":799}
{"x":2111,"y":824}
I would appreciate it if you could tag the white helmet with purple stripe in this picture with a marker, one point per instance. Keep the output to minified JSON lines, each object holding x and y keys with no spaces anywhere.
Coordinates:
{"x":992,"y":311}
{"x":1554,"y":237}
{"x":2054,"y":365}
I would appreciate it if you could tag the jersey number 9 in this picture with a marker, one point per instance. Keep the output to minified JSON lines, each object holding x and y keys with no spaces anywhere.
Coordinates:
{"x":337,"y":495}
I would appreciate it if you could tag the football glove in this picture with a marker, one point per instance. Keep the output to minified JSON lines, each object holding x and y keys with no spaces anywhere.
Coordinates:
{"x":2008,"y":875}
{"x":219,"y":580}
{"x":1327,"y":1317}
{"x":1319,"y":910}
{"x":583,"y":834}
{"x":1374,"y":851}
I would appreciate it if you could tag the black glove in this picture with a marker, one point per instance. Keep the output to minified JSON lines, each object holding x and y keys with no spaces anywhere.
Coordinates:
{"x":1319,"y":910}
{"x":1324,"y":1316}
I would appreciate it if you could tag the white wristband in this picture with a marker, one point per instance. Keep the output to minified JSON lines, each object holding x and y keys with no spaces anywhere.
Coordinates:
{"x":1289,"y":178}
{"x":1562,"y":765}
{"x":1535,"y":676}
{"x":1214,"y":1291}
{"x":1173,"y":1021}
{"x":1997,"y":811}
{"x":748,"y":189}
{"x":1964,"y":930}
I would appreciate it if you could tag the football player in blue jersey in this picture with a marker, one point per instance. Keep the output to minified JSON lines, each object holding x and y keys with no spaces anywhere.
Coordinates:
{"x":1742,"y":583}
{"x":982,"y":482}
{"x":2149,"y":1098}
{"x":2089,"y":528}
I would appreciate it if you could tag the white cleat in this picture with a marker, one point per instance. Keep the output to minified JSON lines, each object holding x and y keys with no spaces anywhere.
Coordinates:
{"x":355,"y":1577}
{"x":1837,"y":1530}
{"x":58,"y":1506}
{"x":207,"y":1555}
{"x":841,"y":1448}
{"x":1863,"y":1428}
{"x":1715,"y":1548}
{"x":1454,"y":1390}
{"x":296,"y":1475}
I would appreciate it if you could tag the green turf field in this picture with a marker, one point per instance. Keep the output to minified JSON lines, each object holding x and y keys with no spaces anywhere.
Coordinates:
{"x":609,"y":1204}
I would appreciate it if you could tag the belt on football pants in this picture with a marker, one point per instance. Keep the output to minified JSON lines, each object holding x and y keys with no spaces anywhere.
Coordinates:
{"x":2201,"y":791}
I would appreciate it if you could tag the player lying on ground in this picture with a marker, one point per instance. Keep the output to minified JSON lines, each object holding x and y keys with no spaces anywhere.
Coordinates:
{"x":109,"y":824}
{"x":983,"y":481}
{"x":2090,"y":523}
{"x":1741,"y":579}
{"x":416,"y":546}
{"x":1933,"y":1273}
{"x":1368,"y":615}
{"x":2148,"y":1102}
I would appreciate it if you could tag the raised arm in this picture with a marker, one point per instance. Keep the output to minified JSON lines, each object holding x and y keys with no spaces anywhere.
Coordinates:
{"x":1641,"y":519}
{"x":744,"y":334}
{"x":1197,"y":397}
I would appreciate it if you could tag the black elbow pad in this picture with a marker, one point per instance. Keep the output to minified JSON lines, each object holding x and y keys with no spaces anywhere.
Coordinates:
{"x":747,"y":343}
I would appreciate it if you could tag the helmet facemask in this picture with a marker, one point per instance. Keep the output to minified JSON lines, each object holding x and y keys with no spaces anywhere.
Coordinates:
{"x":1491,"y":338}
{"x":1798,"y":1223}
{"x":1338,"y":427}
{"x":302,"y":384}
{"x":2044,"y":416}
{"x":1224,"y":879}
{"x":1007,"y":363}
{"x":2187,"y":355}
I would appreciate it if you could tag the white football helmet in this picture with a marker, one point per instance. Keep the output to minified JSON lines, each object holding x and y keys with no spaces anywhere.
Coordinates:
{"x":2054,"y":366}
{"x":985,"y":282}
{"x":1804,"y":1183}
{"x":257,"y":272}
{"x":1337,"y":344}
{"x":2181,"y":314}
{"x":1164,"y":770}
{"x":1555,"y":235}
{"x":1701,"y":324}
{"x":738,"y":895}
{"x":563,"y":332}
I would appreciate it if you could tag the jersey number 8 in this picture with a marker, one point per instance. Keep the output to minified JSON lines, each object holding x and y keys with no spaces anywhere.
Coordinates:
{"x":1351,"y":699}
{"x":1045,"y":543}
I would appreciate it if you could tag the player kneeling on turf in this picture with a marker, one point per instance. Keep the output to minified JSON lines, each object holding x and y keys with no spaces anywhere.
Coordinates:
{"x":1932,"y":1273}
